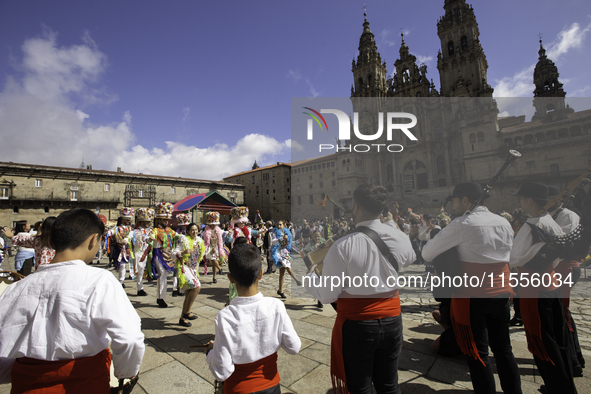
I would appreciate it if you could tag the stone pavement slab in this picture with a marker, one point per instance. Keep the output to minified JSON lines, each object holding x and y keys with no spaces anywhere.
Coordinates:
{"x":171,"y":365}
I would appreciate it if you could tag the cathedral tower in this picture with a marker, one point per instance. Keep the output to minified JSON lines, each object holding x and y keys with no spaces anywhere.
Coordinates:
{"x":548,"y":95}
{"x":461,"y":62}
{"x":369,"y":71}
{"x":409,"y":79}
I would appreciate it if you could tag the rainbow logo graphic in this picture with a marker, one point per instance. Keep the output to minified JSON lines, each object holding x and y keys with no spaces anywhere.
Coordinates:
{"x":315,"y":118}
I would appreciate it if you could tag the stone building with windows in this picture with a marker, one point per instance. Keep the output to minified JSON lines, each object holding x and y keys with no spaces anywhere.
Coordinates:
{"x":267,"y":190}
{"x":460,"y":136}
{"x":33,"y":192}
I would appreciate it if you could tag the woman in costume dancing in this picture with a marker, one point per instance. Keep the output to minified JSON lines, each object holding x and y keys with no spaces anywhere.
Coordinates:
{"x":189,"y":251}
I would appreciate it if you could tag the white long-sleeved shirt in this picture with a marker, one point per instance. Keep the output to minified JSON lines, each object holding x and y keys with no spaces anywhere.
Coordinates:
{"x":524,"y":249}
{"x":69,"y":310}
{"x":249,"y":329}
{"x":481,"y":237}
{"x":357,"y":256}
{"x":425,"y":233}
{"x":566,"y":219}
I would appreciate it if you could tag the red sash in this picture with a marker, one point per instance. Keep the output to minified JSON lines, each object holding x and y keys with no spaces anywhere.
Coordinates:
{"x":460,"y":303}
{"x":88,"y":375}
{"x":252,"y":377}
{"x":355,"y":309}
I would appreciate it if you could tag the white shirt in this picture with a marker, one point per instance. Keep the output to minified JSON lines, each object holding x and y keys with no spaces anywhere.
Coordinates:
{"x":357,"y":256}
{"x":69,"y":310}
{"x":524,"y":249}
{"x":567,"y":220}
{"x":249,"y":329}
{"x":424,"y":232}
{"x":481,"y":237}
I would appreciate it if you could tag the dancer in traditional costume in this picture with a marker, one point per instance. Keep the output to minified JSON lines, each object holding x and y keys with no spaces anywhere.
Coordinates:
{"x":160,"y":262}
{"x":568,"y":222}
{"x":39,"y":242}
{"x":238,"y":224}
{"x":214,"y":243}
{"x":281,"y":254}
{"x":189,"y":251}
{"x":479,"y":315}
{"x":367,"y":335}
{"x":139,"y":242}
{"x":541,"y":306}
{"x":118,"y":236}
{"x":183,"y":220}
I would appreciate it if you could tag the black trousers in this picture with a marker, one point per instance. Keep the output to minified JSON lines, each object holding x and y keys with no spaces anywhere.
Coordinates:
{"x":489,"y":319}
{"x":371,"y":349}
{"x":558,"y":374}
{"x":270,"y":390}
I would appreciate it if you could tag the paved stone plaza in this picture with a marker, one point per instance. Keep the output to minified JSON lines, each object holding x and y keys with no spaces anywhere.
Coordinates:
{"x":171,"y":364}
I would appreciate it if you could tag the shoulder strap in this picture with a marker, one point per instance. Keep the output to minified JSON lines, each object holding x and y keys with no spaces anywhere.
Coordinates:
{"x":380,"y":244}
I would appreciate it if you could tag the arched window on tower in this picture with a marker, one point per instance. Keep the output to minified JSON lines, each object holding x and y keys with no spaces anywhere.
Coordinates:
{"x":464,"y":43}
{"x":450,"y":48}
{"x":472,"y":138}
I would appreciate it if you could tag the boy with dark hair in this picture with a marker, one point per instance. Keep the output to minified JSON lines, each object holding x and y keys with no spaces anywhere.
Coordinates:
{"x":250,"y":331}
{"x":68,"y":314}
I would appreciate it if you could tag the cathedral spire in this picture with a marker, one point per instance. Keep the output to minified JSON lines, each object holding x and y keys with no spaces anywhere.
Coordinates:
{"x":548,"y":94}
{"x":369,"y":71}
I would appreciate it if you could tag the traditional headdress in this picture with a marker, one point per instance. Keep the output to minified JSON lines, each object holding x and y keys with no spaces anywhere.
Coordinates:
{"x":258,"y":219}
{"x":126,"y":213}
{"x":163,"y":210}
{"x":240,"y":214}
{"x":144,"y":214}
{"x":212,"y":218}
{"x":184,"y":219}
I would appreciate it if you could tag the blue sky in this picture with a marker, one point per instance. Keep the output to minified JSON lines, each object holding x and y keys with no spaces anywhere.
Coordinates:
{"x":201,"y":89}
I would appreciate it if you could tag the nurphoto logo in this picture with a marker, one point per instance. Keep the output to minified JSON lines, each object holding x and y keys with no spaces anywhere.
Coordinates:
{"x":392,"y":119}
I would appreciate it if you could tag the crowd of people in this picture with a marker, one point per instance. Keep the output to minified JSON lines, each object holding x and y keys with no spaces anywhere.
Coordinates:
{"x":377,"y":242}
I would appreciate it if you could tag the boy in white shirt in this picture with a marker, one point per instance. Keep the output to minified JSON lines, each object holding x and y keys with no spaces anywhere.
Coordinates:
{"x":250,"y":331}
{"x":68,"y":313}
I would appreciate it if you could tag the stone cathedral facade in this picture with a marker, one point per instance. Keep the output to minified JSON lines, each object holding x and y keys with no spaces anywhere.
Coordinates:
{"x":460,"y":136}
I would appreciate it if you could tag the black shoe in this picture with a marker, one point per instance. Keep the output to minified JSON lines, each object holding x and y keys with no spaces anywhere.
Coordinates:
{"x":184,"y":322}
{"x":267,"y":272}
{"x":123,"y":285}
{"x":214,"y":281}
{"x":142,"y":293}
{"x":161,"y":303}
{"x":298,"y":283}
{"x":319,"y":305}
{"x":190,"y":316}
{"x":281,"y":294}
{"x":221,"y":272}
{"x":516,"y":321}
{"x":175,"y":293}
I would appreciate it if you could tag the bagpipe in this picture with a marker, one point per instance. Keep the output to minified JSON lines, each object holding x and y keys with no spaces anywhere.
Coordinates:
{"x":574,"y":245}
{"x":448,"y":262}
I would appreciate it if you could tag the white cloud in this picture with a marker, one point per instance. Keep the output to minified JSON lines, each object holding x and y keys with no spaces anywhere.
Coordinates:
{"x":42,"y":123}
{"x":520,"y":84}
{"x":294,"y":145}
{"x":569,"y":38}
{"x":296,"y":76}
{"x":424,"y":59}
